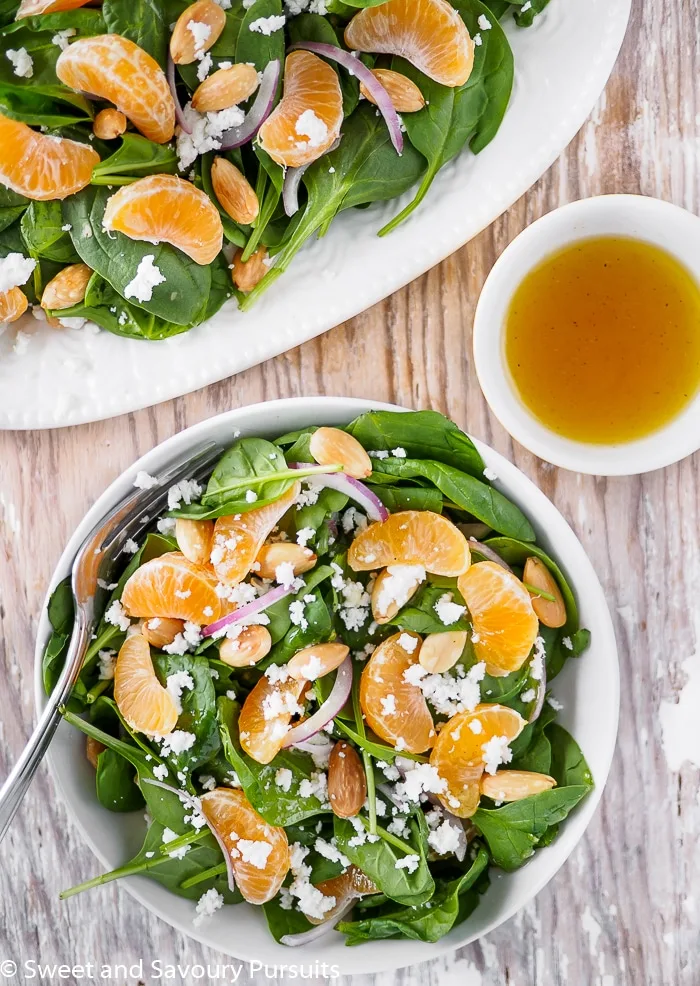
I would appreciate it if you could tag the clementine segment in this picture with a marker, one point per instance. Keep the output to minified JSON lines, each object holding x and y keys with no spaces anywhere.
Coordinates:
{"x":411,"y":537}
{"x":13,"y":303}
{"x":164,"y":208}
{"x":265,"y":717}
{"x":172,"y":586}
{"x":116,"y":69}
{"x":428,"y":33}
{"x":505,"y":623}
{"x":395,"y":709}
{"x":42,"y":167}
{"x":259,"y":851}
{"x":307,"y":119}
{"x":239,"y":538}
{"x":145,"y":704}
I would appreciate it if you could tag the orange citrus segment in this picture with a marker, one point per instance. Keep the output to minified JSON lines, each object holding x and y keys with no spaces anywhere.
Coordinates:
{"x":307,"y":120}
{"x":500,"y":607}
{"x":395,"y":709}
{"x":463,"y":750}
{"x":42,"y":167}
{"x":117,"y":70}
{"x":28,"y":8}
{"x":411,"y":537}
{"x":172,"y":586}
{"x":164,"y":208}
{"x":347,"y":886}
{"x":239,"y":538}
{"x":264,"y":720}
{"x":145,"y":704}
{"x":259,"y":851}
{"x":13,"y":303}
{"x":428,"y":33}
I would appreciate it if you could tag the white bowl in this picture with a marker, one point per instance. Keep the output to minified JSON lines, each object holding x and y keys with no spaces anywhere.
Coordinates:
{"x":652,"y":220}
{"x":589,"y":689}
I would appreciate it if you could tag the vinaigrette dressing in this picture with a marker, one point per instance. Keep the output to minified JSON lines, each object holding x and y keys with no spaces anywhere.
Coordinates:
{"x":602,"y":340}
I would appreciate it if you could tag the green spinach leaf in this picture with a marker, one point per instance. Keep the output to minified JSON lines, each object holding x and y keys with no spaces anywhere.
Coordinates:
{"x":141,"y":21}
{"x":198,"y":714}
{"x":115,"y":782}
{"x":42,"y":231}
{"x":136,"y":157}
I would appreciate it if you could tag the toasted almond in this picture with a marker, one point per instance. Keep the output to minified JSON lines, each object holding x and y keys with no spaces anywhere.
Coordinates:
{"x":330,"y":446}
{"x":67,"y":288}
{"x":190,"y":38}
{"x":161,"y":630}
{"x":93,"y":748}
{"x":441,"y":651}
{"x":513,"y":785}
{"x":392,"y":589}
{"x":109,"y":124}
{"x":404,"y":94}
{"x":234,"y":192}
{"x":271,"y":556}
{"x":347,"y":784}
{"x":225,"y":87}
{"x":194,"y":539}
{"x":13,"y":304}
{"x":246,"y":274}
{"x":316,"y":661}
{"x":250,"y":646}
{"x":551,"y":613}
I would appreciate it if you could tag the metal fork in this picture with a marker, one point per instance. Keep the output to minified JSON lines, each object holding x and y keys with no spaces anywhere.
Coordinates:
{"x":94,"y":566}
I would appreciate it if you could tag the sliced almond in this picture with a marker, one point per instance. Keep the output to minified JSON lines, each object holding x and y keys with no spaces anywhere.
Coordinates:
{"x":330,"y":446}
{"x":347,"y":784}
{"x":393,"y":588}
{"x":441,"y":651}
{"x":404,"y":94}
{"x":160,"y":631}
{"x":93,"y":748}
{"x":316,"y":661}
{"x":67,"y":288}
{"x":233,"y":190}
{"x":196,"y":30}
{"x":194,"y":539}
{"x":246,"y":274}
{"x":251,"y":645}
{"x":271,"y":556}
{"x":108,"y":124}
{"x":537,"y":575}
{"x":226,"y":87}
{"x":514,"y":785}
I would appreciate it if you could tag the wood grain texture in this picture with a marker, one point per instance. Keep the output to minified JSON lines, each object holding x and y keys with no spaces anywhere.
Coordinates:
{"x":621,"y":912}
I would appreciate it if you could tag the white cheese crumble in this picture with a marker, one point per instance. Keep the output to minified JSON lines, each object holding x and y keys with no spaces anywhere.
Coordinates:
{"x":399,"y":453}
{"x":410,"y":862}
{"x":447,"y":693}
{"x":304,"y":536}
{"x":147,"y":277}
{"x":448,"y":612}
{"x":483,"y":22}
{"x":397,"y":587}
{"x":496,"y":751}
{"x":187,"y":490}
{"x":208,"y":904}
{"x":170,"y":836}
{"x":160,"y":771}
{"x":330,"y":851}
{"x":15,"y":270}
{"x":268,"y":25}
{"x":177,"y":742}
{"x":60,"y":38}
{"x":311,"y":126}
{"x":200,"y":34}
{"x":283,"y":779}
{"x":22,"y":64}
{"x":311,"y":900}
{"x":252,"y":851}
{"x":130,"y":547}
{"x":537,"y":665}
{"x":445,"y":838}
{"x":107,"y":661}
{"x":117,"y":617}
{"x":175,"y":684}
{"x":408,"y":642}
{"x":144,"y":481}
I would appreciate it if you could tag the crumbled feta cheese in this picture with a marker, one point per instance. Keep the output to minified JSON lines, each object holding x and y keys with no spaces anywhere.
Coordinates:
{"x":529,"y":696}
{"x":315,"y":786}
{"x":555,"y":704}
{"x":476,"y":726}
{"x":408,"y":642}
{"x":311,"y":126}
{"x":411,"y":862}
{"x":22,"y":64}
{"x":312,"y":669}
{"x":478,"y":41}
{"x":330,"y":851}
{"x":397,"y":587}
{"x":566,"y":641}
{"x":175,"y":684}
{"x":296,"y":614}
{"x":144,"y":481}
{"x":204,"y":67}
{"x":353,"y":521}
{"x":166,"y":526}
{"x":60,"y":38}
{"x":160,"y":771}
{"x":420,"y":780}
{"x":311,"y":900}
{"x":448,"y":612}
{"x":252,"y":851}
{"x":177,"y":742}
{"x":483,"y":22}
{"x":170,"y":836}
{"x":147,"y":277}
{"x":283,"y":779}
{"x":130,"y":547}
{"x":445,"y":838}
{"x":304,"y":536}
{"x":379,"y":454}
{"x":251,"y":496}
{"x":284,"y":575}
{"x":537,"y":662}
{"x":15,"y":270}
{"x":186,"y":489}
{"x":268,"y":25}
{"x":388,"y":705}
{"x":496,"y":752}
{"x":200,"y":34}
{"x":208,"y":904}
{"x":107,"y":661}
{"x":117,"y":617}
{"x":399,"y":453}
{"x":448,"y":693}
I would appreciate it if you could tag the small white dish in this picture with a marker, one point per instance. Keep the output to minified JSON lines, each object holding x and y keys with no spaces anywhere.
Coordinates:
{"x":660,"y":223}
{"x":588,"y":688}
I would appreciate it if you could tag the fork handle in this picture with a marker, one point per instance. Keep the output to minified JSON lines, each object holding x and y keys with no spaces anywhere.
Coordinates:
{"x":17,"y":783}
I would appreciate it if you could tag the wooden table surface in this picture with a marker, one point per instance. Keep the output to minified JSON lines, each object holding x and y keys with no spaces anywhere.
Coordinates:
{"x":623,"y":909}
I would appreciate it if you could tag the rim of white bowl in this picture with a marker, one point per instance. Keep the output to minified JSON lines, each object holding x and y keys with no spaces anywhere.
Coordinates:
{"x":653,"y":220}
{"x":382,"y":955}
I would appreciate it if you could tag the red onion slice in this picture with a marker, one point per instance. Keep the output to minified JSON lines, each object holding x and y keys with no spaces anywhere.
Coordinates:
{"x":357,"y":68}
{"x":357,"y":491}
{"x":541,"y":692}
{"x":489,"y":553}
{"x":292,"y":180}
{"x":340,"y":693}
{"x":319,"y":930}
{"x":258,"y":112}
{"x":250,"y":609}
{"x":179,"y":112}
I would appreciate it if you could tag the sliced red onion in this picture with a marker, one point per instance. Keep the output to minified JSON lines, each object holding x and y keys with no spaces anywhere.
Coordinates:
{"x":475,"y":532}
{"x":541,"y":692}
{"x":340,"y":693}
{"x":373,"y":86}
{"x":258,"y":112}
{"x":179,"y":112}
{"x":315,"y":744}
{"x":292,"y":180}
{"x":489,"y":553}
{"x":250,"y":609}
{"x":319,"y":930}
{"x":357,"y":491}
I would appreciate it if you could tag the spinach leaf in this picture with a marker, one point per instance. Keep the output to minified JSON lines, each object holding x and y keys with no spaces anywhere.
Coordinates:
{"x":181,"y":298}
{"x":283,"y":922}
{"x":115,"y":783}
{"x":318,"y":515}
{"x":513,"y":831}
{"x":452,"y":902}
{"x":527,"y":18}
{"x":532,"y":749}
{"x":569,"y":765}
{"x":478,"y":498}
{"x":419,"y":613}
{"x":409,"y":498}
{"x":374,"y":746}
{"x":43,"y":233}
{"x":499,"y":8}
{"x":254,"y":46}
{"x":250,"y":464}
{"x":12,"y":205}
{"x":198,"y":714}
{"x":60,"y":611}
{"x":135,"y":158}
{"x":141,"y":21}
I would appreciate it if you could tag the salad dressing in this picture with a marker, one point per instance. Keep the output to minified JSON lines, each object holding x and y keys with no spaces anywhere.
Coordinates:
{"x":602,"y":340}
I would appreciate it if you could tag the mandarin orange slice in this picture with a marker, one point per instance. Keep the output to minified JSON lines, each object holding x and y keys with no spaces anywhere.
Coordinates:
{"x":13,"y":303}
{"x":172,"y":586}
{"x":459,"y":754}
{"x":395,"y":709}
{"x":330,"y":446}
{"x":259,"y":851}
{"x":267,"y":711}
{"x":42,"y":167}
{"x":116,"y":69}
{"x":307,"y":119}
{"x":29,"y":8}
{"x":194,"y":539}
{"x":239,"y":538}
{"x":428,"y":33}
{"x":165,"y":208}
{"x":505,"y":623}
{"x":514,"y":785}
{"x":347,"y":886}
{"x":145,"y":704}
{"x":411,"y":537}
